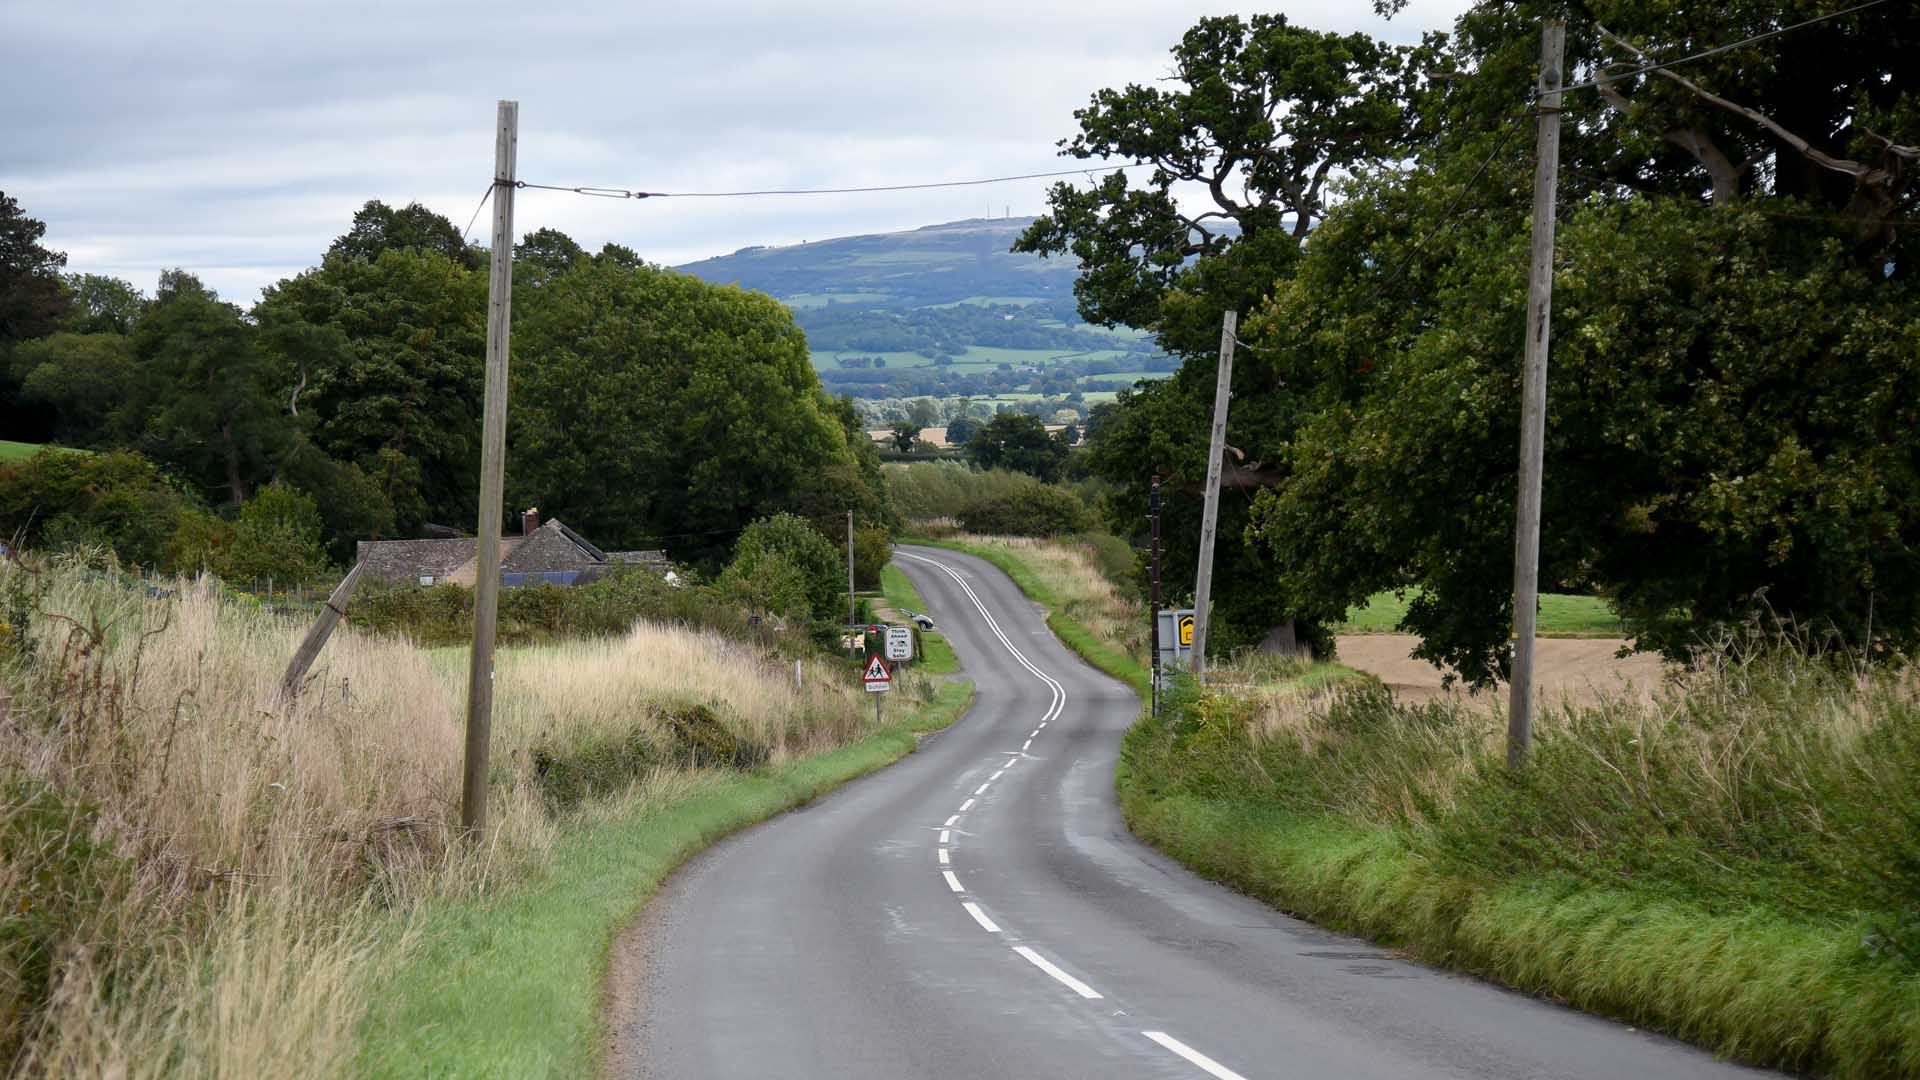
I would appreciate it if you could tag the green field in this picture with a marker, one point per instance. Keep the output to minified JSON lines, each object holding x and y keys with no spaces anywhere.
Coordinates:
{"x":986,"y":358}
{"x":1560,"y":615}
{"x":21,"y":451}
{"x":814,"y":300}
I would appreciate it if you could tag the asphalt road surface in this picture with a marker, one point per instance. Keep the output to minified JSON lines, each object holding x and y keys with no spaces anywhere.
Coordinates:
{"x":980,"y":910}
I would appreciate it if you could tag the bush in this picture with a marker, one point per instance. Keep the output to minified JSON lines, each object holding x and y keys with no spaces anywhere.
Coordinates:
{"x":790,"y":537}
{"x":1039,"y":510}
{"x":64,"y":499}
{"x":941,"y":489}
{"x":872,"y":548}
{"x":277,"y":538}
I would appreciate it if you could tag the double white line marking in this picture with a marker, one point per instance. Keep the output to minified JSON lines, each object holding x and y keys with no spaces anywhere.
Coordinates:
{"x":1054,"y":708}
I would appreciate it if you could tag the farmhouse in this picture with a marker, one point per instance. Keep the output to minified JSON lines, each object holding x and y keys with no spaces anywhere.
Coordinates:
{"x":543,"y":552}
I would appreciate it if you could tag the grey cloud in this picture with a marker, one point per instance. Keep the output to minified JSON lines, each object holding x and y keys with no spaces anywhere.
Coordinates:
{"x":238,"y":138}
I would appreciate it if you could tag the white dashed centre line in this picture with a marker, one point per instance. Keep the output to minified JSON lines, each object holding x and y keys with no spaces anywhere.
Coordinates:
{"x":946,"y":835}
{"x":996,"y":776}
{"x":953,"y":882}
{"x":943,"y":857}
{"x":1024,"y":746}
{"x":1052,"y":969}
{"x":1206,"y":1064}
{"x":982,"y":789}
{"x":965,"y":806}
{"x":980,"y":917}
{"x":950,"y":822}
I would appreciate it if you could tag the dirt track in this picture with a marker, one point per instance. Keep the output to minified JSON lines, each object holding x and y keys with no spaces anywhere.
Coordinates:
{"x":1582,"y":668}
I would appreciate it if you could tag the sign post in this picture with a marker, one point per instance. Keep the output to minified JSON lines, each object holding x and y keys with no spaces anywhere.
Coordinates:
{"x":879,"y":680}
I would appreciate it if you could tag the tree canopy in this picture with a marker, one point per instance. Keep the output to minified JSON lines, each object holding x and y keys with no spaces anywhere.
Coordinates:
{"x":1731,"y":427}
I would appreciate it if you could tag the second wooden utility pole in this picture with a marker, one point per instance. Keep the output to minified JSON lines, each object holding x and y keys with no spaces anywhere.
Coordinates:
{"x":493,"y":465}
{"x":1210,"y":517}
{"x":850,"y":609}
{"x":1533,"y":395}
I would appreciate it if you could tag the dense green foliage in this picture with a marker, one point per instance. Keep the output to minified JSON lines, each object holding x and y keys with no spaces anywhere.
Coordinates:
{"x":1020,"y":443}
{"x":1731,"y":420}
{"x":703,"y":409}
{"x":649,"y":409}
{"x":1737,"y":864}
{"x":1040,"y":510}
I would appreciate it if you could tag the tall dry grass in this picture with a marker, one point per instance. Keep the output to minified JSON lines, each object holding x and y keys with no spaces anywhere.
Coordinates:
{"x":1073,"y":583}
{"x":221,"y":874}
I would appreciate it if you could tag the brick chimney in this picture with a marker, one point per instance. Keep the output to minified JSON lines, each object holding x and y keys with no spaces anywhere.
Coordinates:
{"x":530,"y":521}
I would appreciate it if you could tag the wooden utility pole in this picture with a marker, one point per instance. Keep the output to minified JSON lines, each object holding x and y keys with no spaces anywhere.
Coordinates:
{"x":850,"y":609}
{"x":1210,"y":517}
{"x":493,"y":463}
{"x":1533,"y":394}
{"x":317,"y":636}
{"x":1153,"y":577}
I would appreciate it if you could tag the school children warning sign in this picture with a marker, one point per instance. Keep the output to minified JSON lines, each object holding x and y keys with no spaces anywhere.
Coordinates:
{"x":878,"y":678}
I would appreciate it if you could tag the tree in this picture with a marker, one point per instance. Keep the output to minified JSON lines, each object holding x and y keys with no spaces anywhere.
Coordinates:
{"x":904,"y":436}
{"x":1263,"y":115}
{"x":103,"y":305}
{"x":1018,"y":442}
{"x":207,"y":381}
{"x":379,"y":228}
{"x":382,"y":359}
{"x":32,"y":303}
{"x":923,"y":413}
{"x":1712,"y":451}
{"x":86,"y":384}
{"x":959,"y":430}
{"x":704,"y":410}
{"x":543,"y":255}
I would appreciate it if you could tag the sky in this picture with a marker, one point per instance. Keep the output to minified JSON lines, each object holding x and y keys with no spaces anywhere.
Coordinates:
{"x":236,"y":139}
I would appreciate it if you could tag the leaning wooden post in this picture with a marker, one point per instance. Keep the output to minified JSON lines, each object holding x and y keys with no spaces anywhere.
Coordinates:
{"x":493,"y":462}
{"x":317,"y":636}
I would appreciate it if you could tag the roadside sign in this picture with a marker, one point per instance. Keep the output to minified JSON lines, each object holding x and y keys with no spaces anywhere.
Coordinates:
{"x":899,"y":643}
{"x":1176,"y":638}
{"x":1186,"y":630}
{"x":878,"y":678}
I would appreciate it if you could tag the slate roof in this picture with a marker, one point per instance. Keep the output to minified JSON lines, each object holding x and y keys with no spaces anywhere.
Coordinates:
{"x":552,"y":547}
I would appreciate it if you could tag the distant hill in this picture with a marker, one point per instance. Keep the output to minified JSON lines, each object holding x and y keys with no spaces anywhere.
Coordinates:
{"x":961,"y":261}
{"x":942,"y":311}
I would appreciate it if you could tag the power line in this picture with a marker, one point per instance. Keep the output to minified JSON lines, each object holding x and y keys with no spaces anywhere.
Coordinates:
{"x":1663,"y":65}
{"x":625,"y":193}
{"x":1448,"y":217}
{"x":476,"y":213}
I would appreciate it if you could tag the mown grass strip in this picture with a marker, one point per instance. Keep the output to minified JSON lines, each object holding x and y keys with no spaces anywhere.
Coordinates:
{"x":1077,"y":637}
{"x":1752,"y":985}
{"x":513,"y":988}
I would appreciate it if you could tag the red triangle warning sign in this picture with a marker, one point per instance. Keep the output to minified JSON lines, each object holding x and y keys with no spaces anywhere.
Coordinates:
{"x":877,"y":671}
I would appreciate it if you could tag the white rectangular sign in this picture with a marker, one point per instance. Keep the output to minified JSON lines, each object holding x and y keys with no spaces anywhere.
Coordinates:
{"x":899,"y":643}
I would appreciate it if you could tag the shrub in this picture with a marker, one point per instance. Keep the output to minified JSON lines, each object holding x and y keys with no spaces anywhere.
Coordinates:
{"x":1039,"y":510}
{"x":790,"y":537}
{"x":276,"y":538}
{"x":872,"y":548}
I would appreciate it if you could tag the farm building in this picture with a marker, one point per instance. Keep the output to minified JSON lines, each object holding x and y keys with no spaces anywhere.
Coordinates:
{"x":543,"y":552}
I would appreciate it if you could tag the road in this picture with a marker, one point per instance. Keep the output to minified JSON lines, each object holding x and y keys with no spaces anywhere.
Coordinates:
{"x":980,"y":910}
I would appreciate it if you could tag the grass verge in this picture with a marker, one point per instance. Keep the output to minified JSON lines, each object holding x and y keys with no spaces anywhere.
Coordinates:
{"x":1092,"y":648}
{"x":514,"y":987}
{"x":936,"y":656}
{"x":1734,"y":865}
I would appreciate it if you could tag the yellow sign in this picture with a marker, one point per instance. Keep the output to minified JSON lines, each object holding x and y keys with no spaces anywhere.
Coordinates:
{"x":1186,"y":631}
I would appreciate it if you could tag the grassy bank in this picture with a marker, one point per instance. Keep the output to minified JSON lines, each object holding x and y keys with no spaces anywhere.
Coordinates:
{"x":514,"y":987}
{"x":1084,"y":609}
{"x":204,"y":878}
{"x":1737,"y":864}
